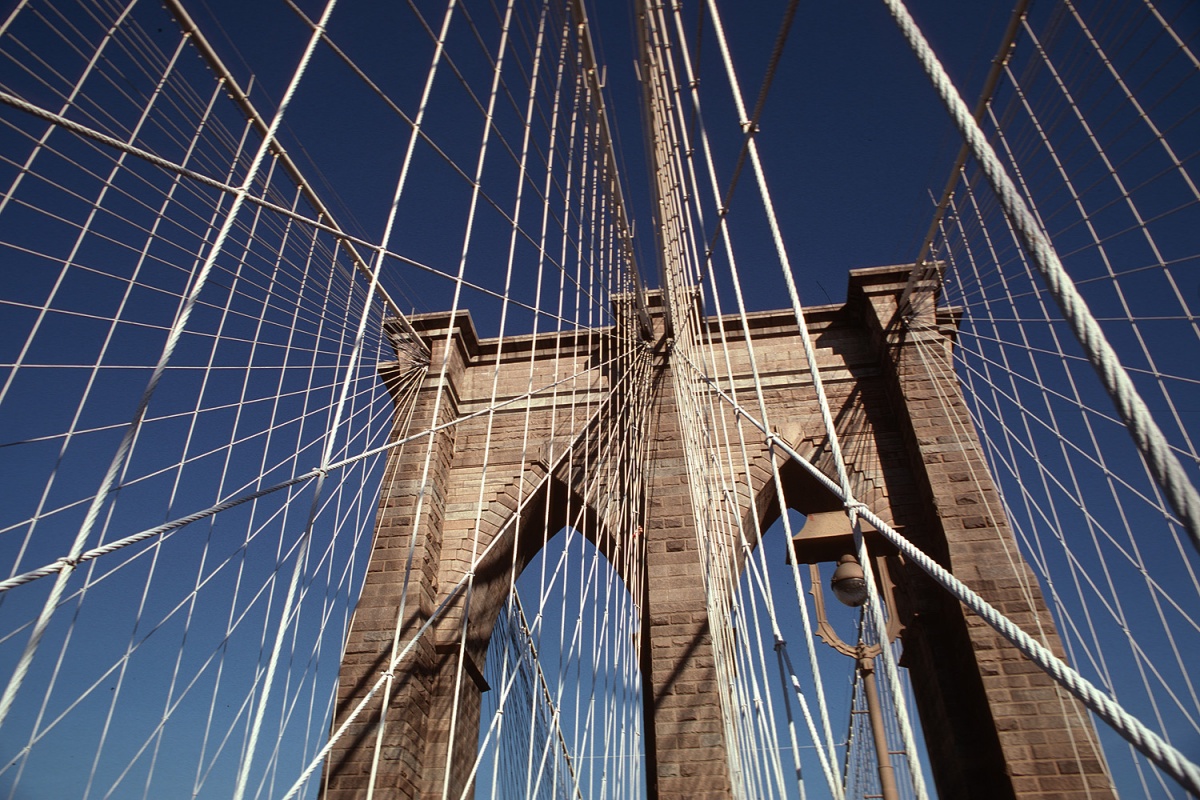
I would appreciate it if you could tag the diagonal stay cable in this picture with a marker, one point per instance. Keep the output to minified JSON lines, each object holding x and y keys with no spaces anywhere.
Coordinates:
{"x":283,"y":211}
{"x":1147,"y":435}
{"x":1150,"y":744}
{"x":89,"y":555}
{"x":244,"y":103}
{"x":561,"y":461}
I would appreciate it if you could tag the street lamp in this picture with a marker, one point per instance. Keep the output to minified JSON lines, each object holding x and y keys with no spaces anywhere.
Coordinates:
{"x":849,"y":583}
{"x":821,"y":536}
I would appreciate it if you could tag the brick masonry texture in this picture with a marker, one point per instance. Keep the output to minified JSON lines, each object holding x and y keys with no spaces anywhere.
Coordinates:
{"x":995,"y":726}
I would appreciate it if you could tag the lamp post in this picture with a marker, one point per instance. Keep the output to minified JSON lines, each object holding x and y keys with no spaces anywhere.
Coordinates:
{"x":820,"y":537}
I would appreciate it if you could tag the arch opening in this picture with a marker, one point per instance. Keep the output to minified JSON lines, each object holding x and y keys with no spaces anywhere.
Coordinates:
{"x":562,"y":715}
{"x":773,"y":641}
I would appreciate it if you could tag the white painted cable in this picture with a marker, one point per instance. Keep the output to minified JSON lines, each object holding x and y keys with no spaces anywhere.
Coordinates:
{"x":1146,"y":741}
{"x":875,"y":607}
{"x":683,"y":291}
{"x":1149,"y":438}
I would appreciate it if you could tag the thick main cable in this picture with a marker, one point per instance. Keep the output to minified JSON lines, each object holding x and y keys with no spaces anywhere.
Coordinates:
{"x":1149,"y":438}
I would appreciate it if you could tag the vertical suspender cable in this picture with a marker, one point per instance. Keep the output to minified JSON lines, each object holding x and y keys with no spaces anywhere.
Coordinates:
{"x":851,"y":505}
{"x":134,"y":426}
{"x":1149,"y":438}
{"x":251,"y":176}
{"x":418,"y":122}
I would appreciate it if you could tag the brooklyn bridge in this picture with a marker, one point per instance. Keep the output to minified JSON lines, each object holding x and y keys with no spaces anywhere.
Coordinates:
{"x":546,"y":398}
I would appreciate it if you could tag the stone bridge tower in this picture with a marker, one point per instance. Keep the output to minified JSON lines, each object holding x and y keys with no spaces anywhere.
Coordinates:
{"x":995,"y":726}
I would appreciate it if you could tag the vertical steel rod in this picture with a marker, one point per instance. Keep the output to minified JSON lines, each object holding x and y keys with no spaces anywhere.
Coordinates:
{"x":887,"y":777}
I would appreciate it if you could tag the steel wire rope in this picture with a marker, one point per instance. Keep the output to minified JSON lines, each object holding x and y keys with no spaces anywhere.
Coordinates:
{"x":1100,"y":249}
{"x":577,"y":524}
{"x":483,"y":193}
{"x":112,"y":27}
{"x":497,"y":721}
{"x":922,"y":268}
{"x":77,"y":88}
{"x":1140,"y":656}
{"x":400,"y":185}
{"x":712,"y":489}
{"x":305,"y":539}
{"x":684,"y":55}
{"x":545,"y":696}
{"x":63,"y":715}
{"x":188,"y":102}
{"x":851,"y":507}
{"x":1026,"y":494}
{"x":780,"y":653}
{"x":637,"y":442}
{"x":443,"y":605}
{"x":145,"y":55}
{"x":1091,"y":520}
{"x":365,"y":314}
{"x":66,"y":440}
{"x":970,"y":391}
{"x":1032,"y":65}
{"x":1179,"y":43}
{"x":934,"y":364}
{"x":43,"y":620}
{"x":1148,"y":436}
{"x":302,"y":478}
{"x":242,"y":100}
{"x":364,"y":517}
{"x":1110,"y":482}
{"x":196,"y":458}
{"x":706,"y":480}
{"x":570,"y":253}
{"x":572,"y":138}
{"x":438,"y":402}
{"x":1087,"y":410}
{"x":156,"y":547}
{"x":95,"y":204}
{"x":1129,"y":125}
{"x":180,"y":138}
{"x":159,"y":728}
{"x":290,"y":213}
{"x":585,"y":214}
{"x":1064,"y":356}
{"x":1131,"y":98}
{"x":112,"y":546}
{"x":513,"y":598}
{"x":129,"y":149}
{"x":716,"y":608}
{"x":696,"y":103}
{"x":779,"y":646}
{"x":163,"y":240}
{"x":1056,"y":526}
{"x":1066,"y":178}
{"x":489,"y":427}
{"x":587,"y":749}
{"x":1077,"y":494}
{"x":97,"y":683}
{"x":165,"y":164}
{"x":1079,"y":570}
{"x":667,"y":193}
{"x":723,"y":584}
{"x":514,"y":613}
{"x":1149,"y":743}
